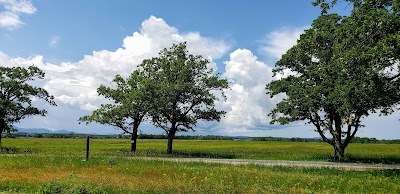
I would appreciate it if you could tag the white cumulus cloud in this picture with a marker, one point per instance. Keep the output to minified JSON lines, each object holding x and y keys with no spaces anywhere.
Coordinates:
{"x":276,"y":43}
{"x":247,"y":104}
{"x":74,"y":84}
{"x":12,"y":9}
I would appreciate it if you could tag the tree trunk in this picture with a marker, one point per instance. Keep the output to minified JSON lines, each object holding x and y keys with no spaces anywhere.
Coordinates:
{"x":339,"y":151}
{"x":171,"y":136}
{"x":134,"y":136}
{"x":2,"y":126}
{"x":338,"y":146}
{"x":133,"y":142}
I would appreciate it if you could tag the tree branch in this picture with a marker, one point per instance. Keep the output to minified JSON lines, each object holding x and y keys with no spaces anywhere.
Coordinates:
{"x":318,"y":126}
{"x":349,"y":138}
{"x":394,"y":77}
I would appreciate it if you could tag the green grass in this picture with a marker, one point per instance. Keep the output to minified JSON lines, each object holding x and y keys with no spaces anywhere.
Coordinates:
{"x":122,"y":175}
{"x":298,"y":151}
{"x":39,"y":165}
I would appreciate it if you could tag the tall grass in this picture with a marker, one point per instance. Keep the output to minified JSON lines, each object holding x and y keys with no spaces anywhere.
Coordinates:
{"x":40,"y":165}
{"x":122,"y":175}
{"x":104,"y":174}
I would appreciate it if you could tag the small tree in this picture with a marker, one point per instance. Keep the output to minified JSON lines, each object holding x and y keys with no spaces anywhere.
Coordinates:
{"x":182,"y":90}
{"x":346,"y":69}
{"x":16,"y":95}
{"x":129,"y":105}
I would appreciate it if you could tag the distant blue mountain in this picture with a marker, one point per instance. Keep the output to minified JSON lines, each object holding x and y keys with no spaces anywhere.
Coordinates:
{"x":63,"y":131}
{"x":42,"y":130}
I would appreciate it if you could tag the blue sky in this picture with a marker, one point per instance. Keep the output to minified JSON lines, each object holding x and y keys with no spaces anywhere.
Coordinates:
{"x":83,"y":27}
{"x":82,"y":44}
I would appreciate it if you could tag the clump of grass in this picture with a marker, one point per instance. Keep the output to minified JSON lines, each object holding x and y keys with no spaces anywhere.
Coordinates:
{"x":74,"y":187}
{"x":16,"y":150}
{"x":55,"y":187}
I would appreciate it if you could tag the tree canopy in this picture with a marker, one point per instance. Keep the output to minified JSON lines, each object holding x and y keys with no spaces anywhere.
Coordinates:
{"x":393,"y":5}
{"x":346,"y":68}
{"x":183,"y":89}
{"x":17,"y":94}
{"x":128,"y":108}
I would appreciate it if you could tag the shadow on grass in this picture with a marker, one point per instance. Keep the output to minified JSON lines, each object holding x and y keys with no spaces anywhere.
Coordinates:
{"x":199,"y":154}
{"x":359,"y":159}
{"x":389,"y":173}
{"x":319,"y":157}
{"x":14,"y":150}
{"x":178,"y":154}
{"x":373,"y":159}
{"x":329,"y":171}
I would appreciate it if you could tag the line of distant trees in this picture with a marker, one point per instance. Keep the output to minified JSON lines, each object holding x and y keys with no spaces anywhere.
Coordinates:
{"x":354,"y":140}
{"x":117,"y":136}
{"x":294,"y":139}
{"x":374,"y":140}
{"x":194,"y":137}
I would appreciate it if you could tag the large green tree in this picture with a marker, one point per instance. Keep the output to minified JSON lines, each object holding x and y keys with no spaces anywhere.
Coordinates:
{"x":128,"y":108}
{"x":183,"y":90}
{"x":345,"y":68}
{"x":17,"y":93}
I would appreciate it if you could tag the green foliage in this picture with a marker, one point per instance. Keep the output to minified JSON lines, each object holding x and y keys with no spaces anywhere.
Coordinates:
{"x":345,"y":68}
{"x":174,"y":89}
{"x":16,"y":95}
{"x":182,"y":88}
{"x":128,"y":107}
{"x":325,"y":5}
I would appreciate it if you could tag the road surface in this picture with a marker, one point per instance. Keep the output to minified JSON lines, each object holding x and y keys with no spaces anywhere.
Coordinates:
{"x":350,"y":166}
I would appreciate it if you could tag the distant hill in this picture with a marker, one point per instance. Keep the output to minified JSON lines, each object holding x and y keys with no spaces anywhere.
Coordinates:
{"x":42,"y":131}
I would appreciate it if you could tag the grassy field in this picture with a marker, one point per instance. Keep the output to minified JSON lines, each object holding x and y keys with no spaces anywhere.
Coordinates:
{"x":58,"y":166}
{"x":298,"y":151}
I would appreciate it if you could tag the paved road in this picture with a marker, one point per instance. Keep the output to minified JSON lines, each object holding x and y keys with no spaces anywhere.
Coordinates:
{"x":351,"y":166}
